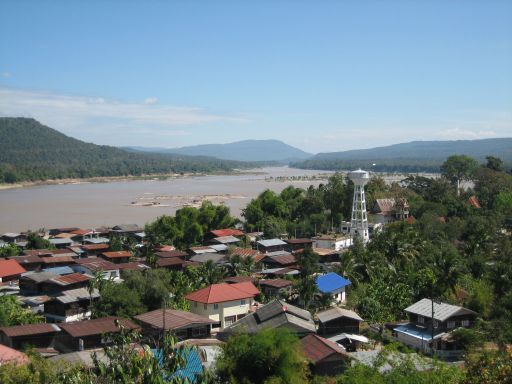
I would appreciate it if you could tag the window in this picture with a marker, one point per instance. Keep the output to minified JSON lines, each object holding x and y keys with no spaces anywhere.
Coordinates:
{"x":195,"y":304}
{"x":242,"y":302}
{"x":421,"y":319}
{"x":436,"y":324}
{"x":205,"y":306}
{"x":228,"y":320}
{"x":199,"y":332}
{"x":215,"y":306}
{"x":451,"y":324}
{"x":465,"y":323}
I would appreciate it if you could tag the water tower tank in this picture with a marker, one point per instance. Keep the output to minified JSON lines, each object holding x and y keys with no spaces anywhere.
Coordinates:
{"x":359,"y":177}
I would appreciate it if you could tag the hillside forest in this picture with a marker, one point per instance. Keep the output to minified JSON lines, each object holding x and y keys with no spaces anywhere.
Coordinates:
{"x":30,"y":151}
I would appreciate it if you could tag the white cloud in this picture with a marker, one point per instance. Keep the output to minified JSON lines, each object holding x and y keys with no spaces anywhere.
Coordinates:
{"x":103,"y":120}
{"x":464,"y":134}
{"x":6,"y":74}
{"x":151,"y":100}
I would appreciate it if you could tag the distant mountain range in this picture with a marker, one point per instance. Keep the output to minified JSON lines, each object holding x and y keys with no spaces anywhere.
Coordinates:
{"x":414,"y":156}
{"x":246,"y":150}
{"x":30,"y":151}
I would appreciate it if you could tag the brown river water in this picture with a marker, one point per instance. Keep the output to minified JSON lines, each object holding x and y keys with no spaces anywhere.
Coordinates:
{"x":90,"y":205}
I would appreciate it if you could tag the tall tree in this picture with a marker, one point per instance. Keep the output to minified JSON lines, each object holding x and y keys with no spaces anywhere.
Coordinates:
{"x":459,"y":168}
{"x":270,"y":356}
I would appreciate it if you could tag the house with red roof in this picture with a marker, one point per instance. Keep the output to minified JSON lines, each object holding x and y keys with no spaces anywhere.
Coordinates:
{"x":223,"y":303}
{"x":117,"y":257}
{"x":10,"y":271}
{"x":225,"y":232}
{"x":12,"y":356}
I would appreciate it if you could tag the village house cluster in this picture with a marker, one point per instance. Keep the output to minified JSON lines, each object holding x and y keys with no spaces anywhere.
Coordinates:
{"x":56,"y":283}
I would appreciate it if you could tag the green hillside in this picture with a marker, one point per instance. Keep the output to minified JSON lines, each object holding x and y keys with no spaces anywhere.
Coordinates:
{"x":30,"y":151}
{"x":416,"y":156}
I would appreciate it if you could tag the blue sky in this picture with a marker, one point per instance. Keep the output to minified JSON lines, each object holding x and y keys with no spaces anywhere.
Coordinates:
{"x":320,"y":75}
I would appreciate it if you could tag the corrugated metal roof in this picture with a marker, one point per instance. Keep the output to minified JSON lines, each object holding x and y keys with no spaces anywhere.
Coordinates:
{"x":170,"y":261}
{"x":335,"y":313}
{"x":29,"y":329}
{"x":276,"y":283}
{"x":97,"y":241}
{"x":226,"y":232}
{"x":317,"y":348}
{"x":94,"y":247}
{"x":70,"y":279}
{"x":331,"y":282}
{"x":219,"y":247}
{"x":39,"y":277}
{"x":442,"y":311}
{"x":60,"y":241}
{"x":174,"y":319}
{"x":299,"y":241}
{"x":226,"y":239}
{"x":96,"y":326}
{"x":281,"y":259}
{"x":59,"y":270}
{"x":271,"y":242}
{"x":174,"y":253}
{"x":204,"y":257}
{"x":202,"y":249}
{"x":28,"y":259}
{"x":95,"y":264}
{"x":117,"y":254}
{"x":74,"y":295}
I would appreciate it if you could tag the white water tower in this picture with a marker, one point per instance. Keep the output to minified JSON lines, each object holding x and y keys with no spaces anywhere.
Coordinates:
{"x":359,"y":222}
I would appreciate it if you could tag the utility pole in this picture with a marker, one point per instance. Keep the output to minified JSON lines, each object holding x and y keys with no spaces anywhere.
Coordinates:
{"x":163,"y":319}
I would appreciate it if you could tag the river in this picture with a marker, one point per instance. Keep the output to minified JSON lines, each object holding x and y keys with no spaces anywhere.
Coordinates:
{"x":91,"y":205}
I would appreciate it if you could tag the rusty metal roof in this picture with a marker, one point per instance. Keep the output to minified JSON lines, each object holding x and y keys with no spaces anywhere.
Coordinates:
{"x":174,"y":319}
{"x":96,"y":326}
{"x":29,"y":329}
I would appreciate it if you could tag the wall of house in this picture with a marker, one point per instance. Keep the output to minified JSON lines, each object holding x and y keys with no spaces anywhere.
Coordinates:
{"x":335,"y":244}
{"x":413,"y":342}
{"x":339,"y":325}
{"x":332,"y":365}
{"x":114,"y":274}
{"x":235,"y":308}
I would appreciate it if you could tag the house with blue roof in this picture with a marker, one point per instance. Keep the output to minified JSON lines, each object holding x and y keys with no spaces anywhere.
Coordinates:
{"x":334,"y":285}
{"x":192,"y":368}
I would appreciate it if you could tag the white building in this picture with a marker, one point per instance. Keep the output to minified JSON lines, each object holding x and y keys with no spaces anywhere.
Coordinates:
{"x":223,"y":303}
{"x":334,"y":242}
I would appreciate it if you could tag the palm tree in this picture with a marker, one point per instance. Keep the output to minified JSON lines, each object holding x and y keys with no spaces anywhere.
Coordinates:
{"x":95,"y":284}
{"x":211,"y":273}
{"x":306,"y":288}
{"x":349,"y":268}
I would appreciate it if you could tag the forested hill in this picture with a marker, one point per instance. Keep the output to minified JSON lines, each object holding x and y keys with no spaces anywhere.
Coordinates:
{"x":245,"y":150}
{"x":30,"y":151}
{"x":415,"y":156}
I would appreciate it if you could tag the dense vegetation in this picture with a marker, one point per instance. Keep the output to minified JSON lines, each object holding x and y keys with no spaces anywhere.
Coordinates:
{"x":30,"y":151}
{"x":452,"y":250}
{"x":416,"y":156}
